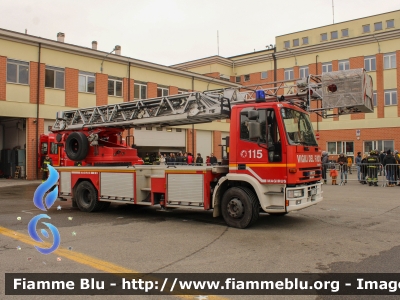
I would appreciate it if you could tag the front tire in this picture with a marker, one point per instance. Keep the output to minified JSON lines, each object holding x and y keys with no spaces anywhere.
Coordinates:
{"x":240,"y":207}
{"x":86,"y":197}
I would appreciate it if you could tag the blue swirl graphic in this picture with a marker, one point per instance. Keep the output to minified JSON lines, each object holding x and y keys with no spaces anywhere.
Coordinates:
{"x":43,"y":188}
{"x":32,"y":232}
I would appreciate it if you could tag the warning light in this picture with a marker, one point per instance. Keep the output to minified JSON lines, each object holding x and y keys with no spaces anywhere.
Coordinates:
{"x":332,"y":88}
{"x":260,"y":96}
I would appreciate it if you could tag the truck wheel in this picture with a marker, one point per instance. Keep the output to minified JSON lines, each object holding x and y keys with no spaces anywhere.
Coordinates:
{"x":240,"y":207}
{"x":76,"y":146}
{"x":86,"y":197}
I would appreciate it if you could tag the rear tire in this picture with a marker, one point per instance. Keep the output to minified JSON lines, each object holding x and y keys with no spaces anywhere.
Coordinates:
{"x":77,"y":146}
{"x":86,"y":197}
{"x":240,"y":207}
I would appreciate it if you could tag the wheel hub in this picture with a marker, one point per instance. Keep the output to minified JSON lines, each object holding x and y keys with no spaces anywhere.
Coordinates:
{"x":235,"y":208}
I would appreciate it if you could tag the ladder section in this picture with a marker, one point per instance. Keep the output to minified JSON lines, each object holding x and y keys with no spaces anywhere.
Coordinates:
{"x":188,"y":108}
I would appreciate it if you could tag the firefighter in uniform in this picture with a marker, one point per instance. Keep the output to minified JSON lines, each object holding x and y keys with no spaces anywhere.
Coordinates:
{"x":147,"y":159}
{"x":47,"y":161}
{"x":372,"y":167}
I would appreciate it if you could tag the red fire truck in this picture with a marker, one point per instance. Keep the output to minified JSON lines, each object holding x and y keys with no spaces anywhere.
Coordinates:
{"x":273,"y":163}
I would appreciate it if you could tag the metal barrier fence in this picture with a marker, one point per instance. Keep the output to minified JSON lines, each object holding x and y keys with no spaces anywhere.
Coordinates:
{"x":365,"y":173}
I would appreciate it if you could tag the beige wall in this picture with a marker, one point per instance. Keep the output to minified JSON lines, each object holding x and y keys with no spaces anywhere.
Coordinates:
{"x":54,"y":97}
{"x":17,"y":92}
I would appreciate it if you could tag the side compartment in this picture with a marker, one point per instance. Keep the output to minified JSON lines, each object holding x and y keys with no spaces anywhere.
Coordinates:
{"x":117,"y":186}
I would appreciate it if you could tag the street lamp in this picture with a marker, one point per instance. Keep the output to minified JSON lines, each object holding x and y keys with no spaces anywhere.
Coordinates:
{"x":295,"y":59}
{"x":101,"y":68}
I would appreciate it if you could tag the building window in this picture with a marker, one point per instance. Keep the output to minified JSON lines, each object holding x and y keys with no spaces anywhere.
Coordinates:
{"x":86,"y":82}
{"x":366,"y":28}
{"x":178,"y":129}
{"x":344,"y":65}
{"x":390,"y":97}
{"x":370,"y":63}
{"x":17,"y":71}
{"x":389,"y":61}
{"x":324,"y":37}
{"x":305,"y":40}
{"x":296,"y":42}
{"x":334,"y":35}
{"x":378,"y":26}
{"x":237,"y":79}
{"x":162,"y":92}
{"x":54,"y":78}
{"x":326,"y":67}
{"x":303,"y":72}
{"x":345,"y":32}
{"x":389,"y":23}
{"x":140,"y":91}
{"x":341,"y":147}
{"x":375,"y":99}
{"x":286,"y":44}
{"x":289,"y":74}
{"x":264,"y":75}
{"x":115,"y":87}
{"x":246,"y":77}
{"x":378,"y":145}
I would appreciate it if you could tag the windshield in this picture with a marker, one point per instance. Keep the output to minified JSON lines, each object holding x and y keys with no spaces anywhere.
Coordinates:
{"x":298,"y":127}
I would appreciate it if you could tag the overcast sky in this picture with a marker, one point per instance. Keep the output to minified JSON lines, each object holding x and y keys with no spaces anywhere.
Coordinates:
{"x":174,"y":31}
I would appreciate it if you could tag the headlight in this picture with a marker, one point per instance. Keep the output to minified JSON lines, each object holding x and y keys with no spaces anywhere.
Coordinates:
{"x":295,"y":193}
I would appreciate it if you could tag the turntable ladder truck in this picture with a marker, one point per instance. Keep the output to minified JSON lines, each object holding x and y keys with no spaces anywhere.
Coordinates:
{"x":273,"y":161}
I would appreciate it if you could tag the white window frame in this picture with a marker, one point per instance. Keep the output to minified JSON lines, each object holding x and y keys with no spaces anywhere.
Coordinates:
{"x":303,"y":71}
{"x":368,"y":63}
{"x":334,"y":32}
{"x":324,"y":37}
{"x":305,"y":40}
{"x":378,"y":145}
{"x":340,"y":146}
{"x":238,"y":79}
{"x":389,"y":61}
{"x":115,"y":81}
{"x":85,"y":76}
{"x":164,"y":91}
{"x":182,"y":92}
{"x":289,"y":74}
{"x":246,"y":77}
{"x":19,"y":64}
{"x":343,"y":65}
{"x":326,"y":67}
{"x":286,"y":44}
{"x":387,"y":23}
{"x":264,"y":75}
{"x":375,"y":99}
{"x":139,"y":86}
{"x":392,"y":96}
{"x":365,"y":27}
{"x":375,"y":25}
{"x":346,"y":30}
{"x":56,"y":71}
{"x":296,"y":41}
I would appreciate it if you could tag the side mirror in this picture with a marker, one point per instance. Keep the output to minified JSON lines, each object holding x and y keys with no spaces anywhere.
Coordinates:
{"x":254,"y":130}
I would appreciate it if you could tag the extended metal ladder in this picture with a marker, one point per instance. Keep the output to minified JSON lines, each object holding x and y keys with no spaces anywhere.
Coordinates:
{"x":352,"y":93}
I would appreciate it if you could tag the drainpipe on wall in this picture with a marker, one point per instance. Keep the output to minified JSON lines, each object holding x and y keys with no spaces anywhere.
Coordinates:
{"x":37,"y":112}
{"x":193,"y":124}
{"x":275,"y":65}
{"x":316,"y":71}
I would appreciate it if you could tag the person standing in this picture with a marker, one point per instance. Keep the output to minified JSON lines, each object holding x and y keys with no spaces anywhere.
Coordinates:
{"x":190,"y":159}
{"x":342,"y":160}
{"x":46,"y":162}
{"x":199,"y":160}
{"x":349,"y":164}
{"x":373,"y":165}
{"x":324,"y":161}
{"x":147,"y":159}
{"x":381,"y":158}
{"x":364,"y":169}
{"x":333,"y":173}
{"x":208,"y":161}
{"x":389,"y":165}
{"x":213,"y":159}
{"x":358,"y":164}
